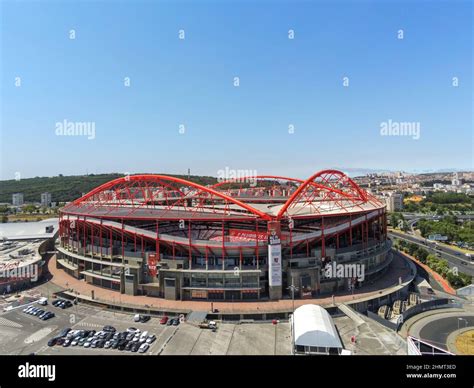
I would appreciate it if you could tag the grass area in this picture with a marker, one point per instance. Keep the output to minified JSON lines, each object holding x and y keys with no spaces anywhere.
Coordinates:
{"x":465,"y":343}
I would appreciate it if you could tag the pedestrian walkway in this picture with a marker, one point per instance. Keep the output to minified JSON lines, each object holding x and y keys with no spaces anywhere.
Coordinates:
{"x":8,"y":323}
{"x":398,"y":269}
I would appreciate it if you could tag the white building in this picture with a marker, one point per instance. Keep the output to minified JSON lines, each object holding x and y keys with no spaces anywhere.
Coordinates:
{"x":46,"y":199}
{"x":394,"y":202}
{"x":456,"y":181}
{"x":17,"y":199}
{"x":314,"y":332}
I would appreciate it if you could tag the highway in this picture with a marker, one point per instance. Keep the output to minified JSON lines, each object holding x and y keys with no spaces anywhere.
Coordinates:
{"x":453,"y":257}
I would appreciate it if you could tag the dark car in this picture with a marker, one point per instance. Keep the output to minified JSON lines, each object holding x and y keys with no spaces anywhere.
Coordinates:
{"x":122,"y":345}
{"x":56,"y":302}
{"x":60,"y":341}
{"x":129,"y":345}
{"x":47,"y":316}
{"x":169,"y":322}
{"x":144,"y":318}
{"x":175,"y":322}
{"x":109,"y":329}
{"x":135,"y":347}
{"x":64,"y":331}
{"x":52,"y":341}
{"x":91,"y":333}
{"x":67,"y":342}
{"x":115,"y":344}
{"x":67,"y":303}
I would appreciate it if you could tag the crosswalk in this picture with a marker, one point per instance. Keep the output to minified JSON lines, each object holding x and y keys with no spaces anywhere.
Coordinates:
{"x":8,"y":323}
{"x":88,"y":324}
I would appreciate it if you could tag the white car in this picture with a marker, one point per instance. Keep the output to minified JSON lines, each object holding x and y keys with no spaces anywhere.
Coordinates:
{"x":43,"y":301}
{"x":135,"y":339}
{"x":108,"y":344}
{"x":150,"y":339}
{"x":75,"y":341}
{"x":144,"y":334}
{"x":143,"y":348}
{"x":87,"y":344}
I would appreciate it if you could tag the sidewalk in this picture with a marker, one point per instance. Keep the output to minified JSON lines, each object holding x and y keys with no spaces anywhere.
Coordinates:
{"x":67,"y":282}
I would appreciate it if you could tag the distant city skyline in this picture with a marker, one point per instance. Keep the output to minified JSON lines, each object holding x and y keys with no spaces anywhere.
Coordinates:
{"x":274,"y":87}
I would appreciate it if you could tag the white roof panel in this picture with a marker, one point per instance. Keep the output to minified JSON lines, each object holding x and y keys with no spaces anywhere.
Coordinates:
{"x":314,"y":327}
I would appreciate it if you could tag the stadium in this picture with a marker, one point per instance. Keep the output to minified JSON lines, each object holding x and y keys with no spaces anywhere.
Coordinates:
{"x":253,"y":238}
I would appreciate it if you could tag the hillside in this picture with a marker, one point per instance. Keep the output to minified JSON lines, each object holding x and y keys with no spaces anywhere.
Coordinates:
{"x":67,"y":188}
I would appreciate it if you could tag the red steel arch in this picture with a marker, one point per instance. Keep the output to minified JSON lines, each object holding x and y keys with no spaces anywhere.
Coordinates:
{"x":165,"y":180}
{"x":354,"y":195}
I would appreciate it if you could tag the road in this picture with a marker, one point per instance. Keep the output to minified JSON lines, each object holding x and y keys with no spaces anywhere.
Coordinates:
{"x":452,"y":256}
{"x":438,"y":330}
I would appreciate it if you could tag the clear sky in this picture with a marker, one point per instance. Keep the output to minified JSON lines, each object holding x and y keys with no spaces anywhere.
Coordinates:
{"x":190,"y":82}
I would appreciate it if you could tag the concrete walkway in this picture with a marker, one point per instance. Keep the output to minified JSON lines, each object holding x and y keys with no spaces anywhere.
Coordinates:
{"x":396,"y":270}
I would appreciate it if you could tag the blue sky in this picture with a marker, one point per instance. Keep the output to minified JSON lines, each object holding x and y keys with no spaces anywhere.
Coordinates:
{"x":282,"y":82}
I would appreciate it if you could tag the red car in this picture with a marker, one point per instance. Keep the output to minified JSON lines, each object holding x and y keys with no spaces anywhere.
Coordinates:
{"x":164,"y":320}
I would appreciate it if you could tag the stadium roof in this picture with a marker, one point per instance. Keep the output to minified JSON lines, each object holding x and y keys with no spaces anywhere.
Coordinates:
{"x":328,"y":192}
{"x":314,"y":327}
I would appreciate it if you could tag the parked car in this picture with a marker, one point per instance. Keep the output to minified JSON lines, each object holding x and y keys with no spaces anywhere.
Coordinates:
{"x":87,"y":344}
{"x":43,"y":301}
{"x":144,"y":318}
{"x":175,"y":322}
{"x":144,"y":347}
{"x":52,"y":341}
{"x":82,"y":341}
{"x":109,"y":328}
{"x":64,"y":331}
{"x":133,"y":330}
{"x":151,"y":339}
{"x":128,"y":347}
{"x":164,"y":320}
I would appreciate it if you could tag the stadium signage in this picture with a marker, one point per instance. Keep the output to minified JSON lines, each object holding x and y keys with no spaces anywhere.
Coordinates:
{"x":152,"y":268}
{"x":274,"y":254}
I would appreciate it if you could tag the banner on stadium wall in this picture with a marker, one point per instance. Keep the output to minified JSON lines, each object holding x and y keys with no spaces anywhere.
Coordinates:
{"x":274,"y":264}
{"x":274,"y":254}
{"x":247,"y":234}
{"x":152,"y":261}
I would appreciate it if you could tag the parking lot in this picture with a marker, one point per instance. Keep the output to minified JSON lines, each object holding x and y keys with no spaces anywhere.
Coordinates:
{"x":21,"y":333}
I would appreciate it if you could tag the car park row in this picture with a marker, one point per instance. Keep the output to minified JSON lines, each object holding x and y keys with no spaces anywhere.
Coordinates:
{"x":44,"y":315}
{"x":132,"y":339}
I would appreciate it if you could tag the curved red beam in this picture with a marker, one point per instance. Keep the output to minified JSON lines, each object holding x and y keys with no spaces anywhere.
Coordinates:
{"x":157,"y":178}
{"x":309,"y":181}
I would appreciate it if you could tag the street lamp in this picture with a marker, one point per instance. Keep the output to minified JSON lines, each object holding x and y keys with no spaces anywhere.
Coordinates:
{"x":462,"y":319}
{"x":293,"y":289}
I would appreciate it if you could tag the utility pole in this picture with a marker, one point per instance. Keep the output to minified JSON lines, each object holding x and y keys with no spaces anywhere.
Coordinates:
{"x":293,"y":289}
